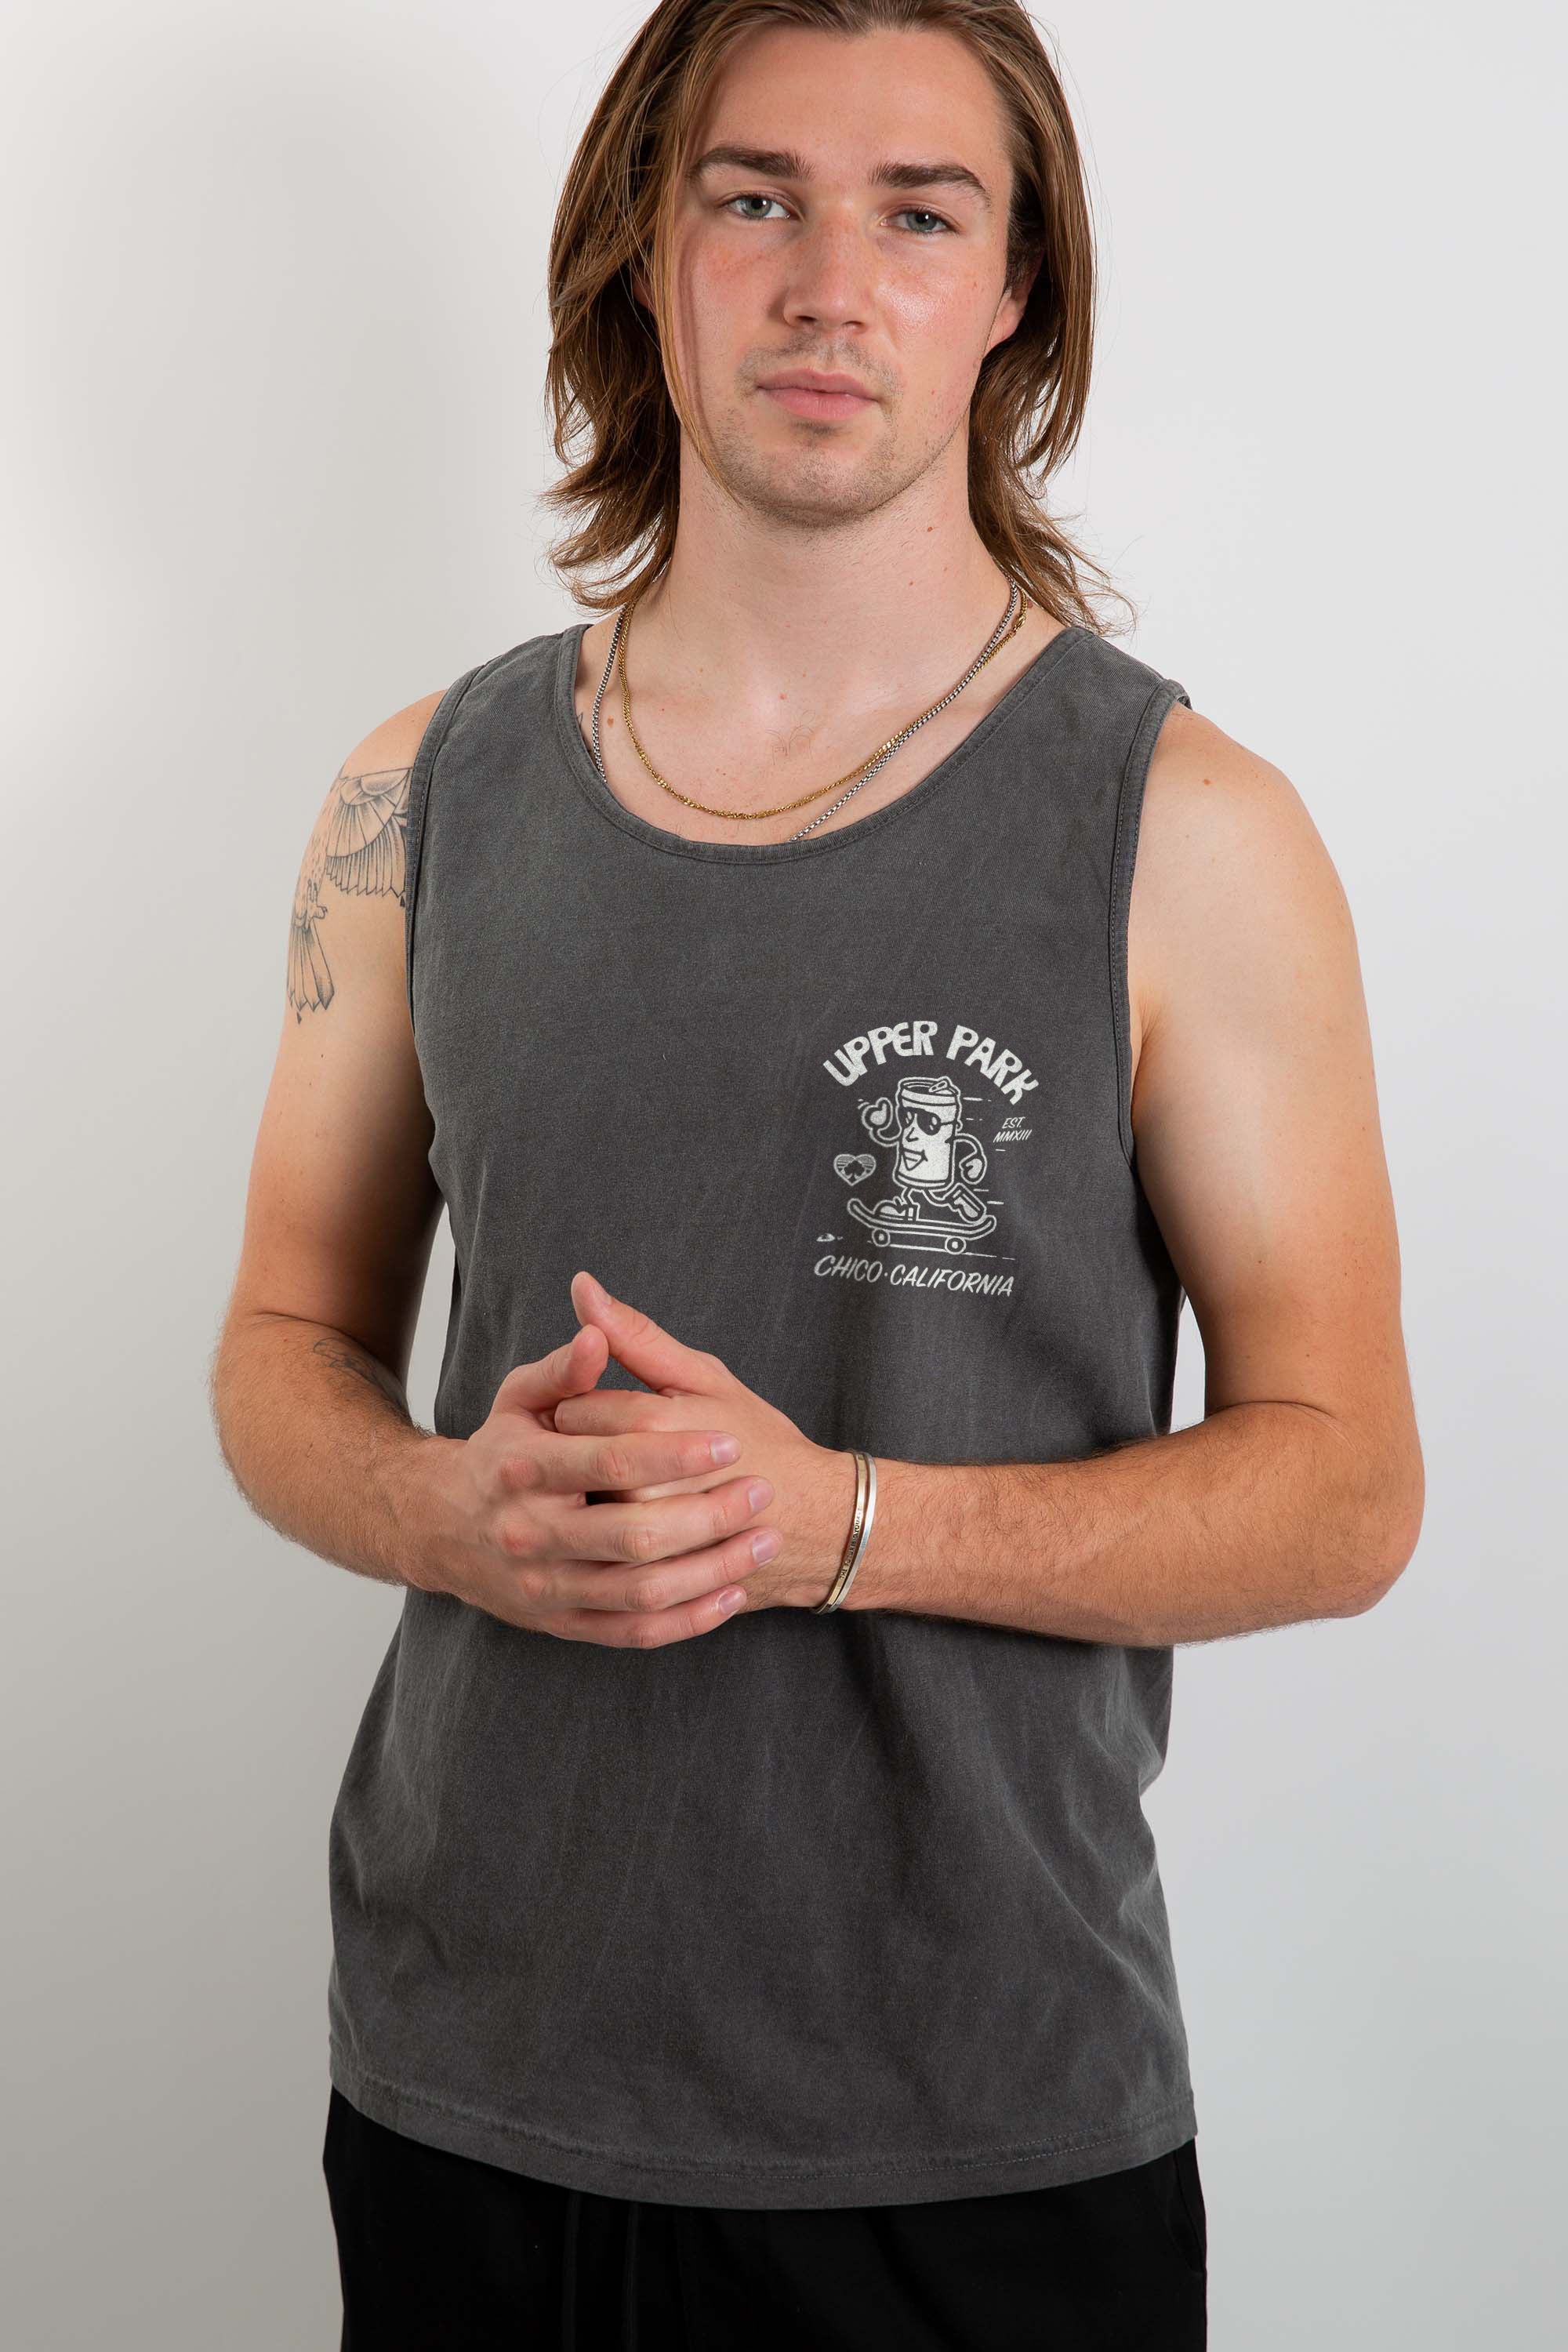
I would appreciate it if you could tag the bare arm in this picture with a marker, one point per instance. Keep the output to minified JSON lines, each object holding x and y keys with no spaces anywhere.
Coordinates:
{"x":1255,"y":1115}
{"x":1254,"y":1118}
{"x":308,"y":1376}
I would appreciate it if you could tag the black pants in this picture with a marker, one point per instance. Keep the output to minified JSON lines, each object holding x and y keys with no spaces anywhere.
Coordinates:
{"x":441,"y":2253}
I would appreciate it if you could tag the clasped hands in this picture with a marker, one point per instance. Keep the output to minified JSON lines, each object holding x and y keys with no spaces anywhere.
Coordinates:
{"x":602,"y":1538}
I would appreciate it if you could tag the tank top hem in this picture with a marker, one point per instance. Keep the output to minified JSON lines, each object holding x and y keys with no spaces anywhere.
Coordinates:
{"x":759,"y":2183}
{"x":1131,"y":794}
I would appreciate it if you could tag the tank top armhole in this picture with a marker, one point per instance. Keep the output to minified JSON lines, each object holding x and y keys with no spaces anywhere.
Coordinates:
{"x":1129,"y":813}
{"x":430,"y":743}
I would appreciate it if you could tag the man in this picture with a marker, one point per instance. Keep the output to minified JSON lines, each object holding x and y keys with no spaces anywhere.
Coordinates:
{"x":844,"y":1003}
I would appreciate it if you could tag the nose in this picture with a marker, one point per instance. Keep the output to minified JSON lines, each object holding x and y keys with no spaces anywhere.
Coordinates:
{"x":832,"y":276}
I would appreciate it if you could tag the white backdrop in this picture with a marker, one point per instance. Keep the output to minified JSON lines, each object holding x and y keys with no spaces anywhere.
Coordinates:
{"x":274,"y":432}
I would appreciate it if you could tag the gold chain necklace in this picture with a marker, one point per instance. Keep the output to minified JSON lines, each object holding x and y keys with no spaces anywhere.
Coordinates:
{"x":1016,"y":606}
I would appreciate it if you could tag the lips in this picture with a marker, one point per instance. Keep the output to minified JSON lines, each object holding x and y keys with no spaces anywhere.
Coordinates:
{"x":803,"y":401}
{"x":815,"y":393}
{"x":816,"y":380}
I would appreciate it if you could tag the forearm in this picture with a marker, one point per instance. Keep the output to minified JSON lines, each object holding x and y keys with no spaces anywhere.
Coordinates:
{"x":317,"y":1436}
{"x":1263,"y":1514}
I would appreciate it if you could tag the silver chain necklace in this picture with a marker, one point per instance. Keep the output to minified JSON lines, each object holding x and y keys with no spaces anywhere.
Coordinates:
{"x":889,"y":749}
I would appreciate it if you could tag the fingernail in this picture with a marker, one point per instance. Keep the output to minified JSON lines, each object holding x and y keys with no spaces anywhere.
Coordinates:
{"x":734,"y":1598}
{"x":724,"y":1449}
{"x":597,"y":1295}
{"x":759,"y":1493}
{"x":766,"y":1544}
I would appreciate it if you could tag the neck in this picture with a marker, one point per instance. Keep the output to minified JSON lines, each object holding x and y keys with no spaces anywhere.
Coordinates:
{"x":784,"y":619}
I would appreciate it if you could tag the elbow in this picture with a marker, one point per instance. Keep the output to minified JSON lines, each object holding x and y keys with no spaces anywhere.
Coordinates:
{"x":1388,"y":1528}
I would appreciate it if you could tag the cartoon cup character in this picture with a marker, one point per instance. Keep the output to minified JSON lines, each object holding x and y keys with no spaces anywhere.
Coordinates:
{"x":924,"y":1123}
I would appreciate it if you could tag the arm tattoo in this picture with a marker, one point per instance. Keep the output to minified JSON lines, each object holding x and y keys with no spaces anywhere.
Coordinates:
{"x":346,"y":1357}
{"x":359,"y":844}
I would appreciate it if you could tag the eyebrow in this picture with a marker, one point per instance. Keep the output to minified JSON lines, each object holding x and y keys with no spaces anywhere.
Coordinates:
{"x":786,"y":163}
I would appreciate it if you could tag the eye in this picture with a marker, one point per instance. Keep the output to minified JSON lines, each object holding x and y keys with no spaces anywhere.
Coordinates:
{"x":909,"y":212}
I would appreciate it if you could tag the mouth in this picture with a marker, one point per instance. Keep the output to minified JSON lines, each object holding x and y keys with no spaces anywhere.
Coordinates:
{"x":804,"y":400}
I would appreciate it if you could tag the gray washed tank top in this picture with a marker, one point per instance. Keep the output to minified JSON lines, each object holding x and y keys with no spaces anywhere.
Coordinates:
{"x":807,"y":1911}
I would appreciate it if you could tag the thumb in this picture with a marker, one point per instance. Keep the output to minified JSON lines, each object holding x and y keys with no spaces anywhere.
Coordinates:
{"x":570,"y":1369}
{"x":654,"y":1355}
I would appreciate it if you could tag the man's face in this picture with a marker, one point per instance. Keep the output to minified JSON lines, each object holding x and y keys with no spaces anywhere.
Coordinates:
{"x":818,"y":264}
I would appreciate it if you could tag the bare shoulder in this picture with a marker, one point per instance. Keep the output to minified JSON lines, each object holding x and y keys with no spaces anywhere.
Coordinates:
{"x":1232,"y":878}
{"x":396,"y":741}
{"x":341,"y":1204}
{"x":355,"y":861}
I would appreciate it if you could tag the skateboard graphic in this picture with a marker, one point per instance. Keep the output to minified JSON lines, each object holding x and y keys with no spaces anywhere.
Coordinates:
{"x":936,"y":1161}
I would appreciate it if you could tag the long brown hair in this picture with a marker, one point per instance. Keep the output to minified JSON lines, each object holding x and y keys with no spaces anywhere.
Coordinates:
{"x":614,"y":391}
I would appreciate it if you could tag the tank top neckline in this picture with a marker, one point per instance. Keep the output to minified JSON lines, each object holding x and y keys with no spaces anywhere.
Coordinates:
{"x":586,"y":776}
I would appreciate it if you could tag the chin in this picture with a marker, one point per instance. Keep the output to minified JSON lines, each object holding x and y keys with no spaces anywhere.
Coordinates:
{"x":811,"y":491}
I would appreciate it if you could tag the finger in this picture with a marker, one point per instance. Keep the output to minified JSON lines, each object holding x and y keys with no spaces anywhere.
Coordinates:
{"x":619,"y":1410}
{"x":643,"y":1346}
{"x":641,"y":1533}
{"x":652,"y":1492}
{"x":670,"y":1583}
{"x":572,"y":1465}
{"x":601,"y":1413}
{"x":594,"y":1412}
{"x":680,"y":1624}
{"x":567,"y":1370}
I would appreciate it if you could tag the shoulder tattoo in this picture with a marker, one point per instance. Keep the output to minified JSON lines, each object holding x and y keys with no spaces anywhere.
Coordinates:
{"x":358,"y":844}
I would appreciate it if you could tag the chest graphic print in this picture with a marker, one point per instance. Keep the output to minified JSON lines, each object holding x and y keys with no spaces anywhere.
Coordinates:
{"x":920,"y":1183}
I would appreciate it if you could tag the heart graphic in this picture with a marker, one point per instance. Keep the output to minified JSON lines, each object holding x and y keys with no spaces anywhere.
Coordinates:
{"x":854,"y":1167}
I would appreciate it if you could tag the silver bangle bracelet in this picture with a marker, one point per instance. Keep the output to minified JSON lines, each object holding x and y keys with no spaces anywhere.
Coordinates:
{"x":859,"y":1532}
